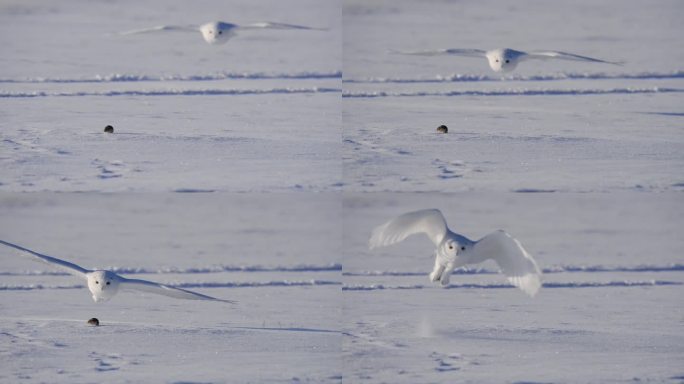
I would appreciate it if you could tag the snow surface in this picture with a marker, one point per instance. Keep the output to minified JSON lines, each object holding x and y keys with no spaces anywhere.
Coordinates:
{"x":610,"y":309}
{"x":261,"y":113}
{"x":290,"y":130}
{"x":548,"y":126}
{"x":277,"y":255}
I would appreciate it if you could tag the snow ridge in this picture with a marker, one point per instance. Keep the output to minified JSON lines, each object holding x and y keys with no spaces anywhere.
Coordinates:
{"x":675,"y":267}
{"x":548,"y":270}
{"x":584,"y":284}
{"x":173,"y":92}
{"x":245,"y":284}
{"x":513,"y":92}
{"x":458,"y":77}
{"x":125,"y":78}
{"x":195,"y":270}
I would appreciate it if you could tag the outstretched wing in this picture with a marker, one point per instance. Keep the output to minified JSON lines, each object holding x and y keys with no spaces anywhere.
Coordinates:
{"x":272,"y":25}
{"x":514,"y":261}
{"x":452,"y":51}
{"x":72,"y":268}
{"x":160,"y":28}
{"x":427,"y":221}
{"x":563,"y":56}
{"x":161,"y":289}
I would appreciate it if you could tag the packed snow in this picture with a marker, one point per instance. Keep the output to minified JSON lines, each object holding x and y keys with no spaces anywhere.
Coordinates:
{"x":276,"y":255}
{"x":610,"y":309}
{"x":261,"y":113}
{"x":570,"y":126}
{"x":256,"y":171}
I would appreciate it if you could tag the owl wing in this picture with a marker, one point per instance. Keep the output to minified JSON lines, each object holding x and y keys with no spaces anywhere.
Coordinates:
{"x":161,"y":289}
{"x":544,"y":55}
{"x":72,"y":268}
{"x":515,"y":262}
{"x":428,"y":221}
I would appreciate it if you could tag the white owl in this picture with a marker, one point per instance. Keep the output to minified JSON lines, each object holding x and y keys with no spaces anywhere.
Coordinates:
{"x":506,"y":59}
{"x":103,"y":285}
{"x":454,"y":251}
{"x":217,"y":32}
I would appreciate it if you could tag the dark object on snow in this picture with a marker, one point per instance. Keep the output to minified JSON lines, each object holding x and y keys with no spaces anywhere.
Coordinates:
{"x":94,"y":321}
{"x":109,"y":129}
{"x":442,"y":129}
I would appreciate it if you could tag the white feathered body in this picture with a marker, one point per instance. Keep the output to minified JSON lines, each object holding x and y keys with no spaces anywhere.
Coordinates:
{"x":503,"y":59}
{"x":103,"y":285}
{"x":217,"y":32}
{"x":454,"y":251}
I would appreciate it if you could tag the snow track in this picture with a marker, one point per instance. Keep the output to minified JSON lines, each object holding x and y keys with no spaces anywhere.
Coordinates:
{"x":173,"y":92}
{"x":514,"y":92}
{"x":456,"y":78}
{"x":554,"y":277}
{"x":282,"y":283}
{"x":546,"y":270}
{"x":132,"y":78}
{"x":195,"y":270}
{"x":649,"y":283}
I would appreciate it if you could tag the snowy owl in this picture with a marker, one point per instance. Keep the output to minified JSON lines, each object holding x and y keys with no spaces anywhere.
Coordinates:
{"x":454,"y":251}
{"x":218,"y":32}
{"x":506,"y":59}
{"x":105,"y":284}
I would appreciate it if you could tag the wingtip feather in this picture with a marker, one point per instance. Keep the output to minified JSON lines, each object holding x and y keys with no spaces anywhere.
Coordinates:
{"x":376,"y":240}
{"x":530,"y":283}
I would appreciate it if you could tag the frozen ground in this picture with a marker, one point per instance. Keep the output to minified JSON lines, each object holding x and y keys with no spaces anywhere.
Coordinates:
{"x":548,"y":126}
{"x":610,"y":309}
{"x":260,"y":113}
{"x":277,"y":255}
{"x":283,"y":111}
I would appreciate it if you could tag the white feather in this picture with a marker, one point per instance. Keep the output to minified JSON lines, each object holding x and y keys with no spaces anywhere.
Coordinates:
{"x":272,"y":25}
{"x":515,"y":262}
{"x":440,"y":52}
{"x":161,"y":28}
{"x":429,"y":221}
{"x":165,"y":290}
{"x":563,"y":56}
{"x":71,"y":268}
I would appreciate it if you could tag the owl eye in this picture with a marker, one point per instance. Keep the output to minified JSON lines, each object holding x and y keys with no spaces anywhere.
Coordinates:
{"x":97,"y":282}
{"x":108,"y":283}
{"x":508,"y":61}
{"x":462,"y":249}
{"x":220,"y":32}
{"x":497,"y":60}
{"x":451,"y":247}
